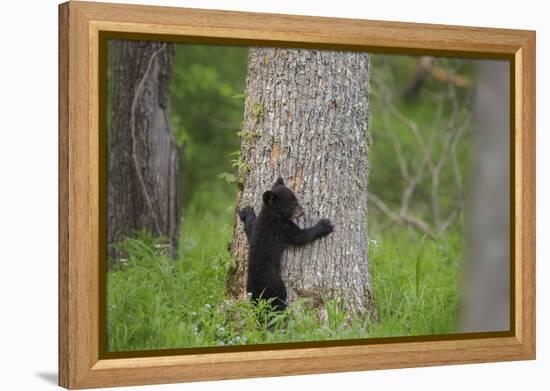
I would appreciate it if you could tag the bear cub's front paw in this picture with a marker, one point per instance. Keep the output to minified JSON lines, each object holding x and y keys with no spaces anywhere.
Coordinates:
{"x":325,"y":227}
{"x":245,"y":213}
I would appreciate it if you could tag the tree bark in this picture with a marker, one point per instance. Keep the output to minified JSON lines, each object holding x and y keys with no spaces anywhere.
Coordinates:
{"x":306,"y":119}
{"x":486,"y":298}
{"x":143,"y":189}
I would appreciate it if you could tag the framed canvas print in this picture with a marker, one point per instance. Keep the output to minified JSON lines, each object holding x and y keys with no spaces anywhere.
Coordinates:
{"x":247,"y":195}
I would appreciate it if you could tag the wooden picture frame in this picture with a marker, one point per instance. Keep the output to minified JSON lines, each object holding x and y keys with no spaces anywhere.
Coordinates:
{"x":82,"y":29}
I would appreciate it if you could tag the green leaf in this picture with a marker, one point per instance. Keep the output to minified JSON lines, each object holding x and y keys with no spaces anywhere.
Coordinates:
{"x":229,"y":178}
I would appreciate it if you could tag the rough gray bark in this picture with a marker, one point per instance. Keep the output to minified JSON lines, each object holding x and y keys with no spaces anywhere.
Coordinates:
{"x":486,"y":301}
{"x":143,"y":189}
{"x":306,"y":117}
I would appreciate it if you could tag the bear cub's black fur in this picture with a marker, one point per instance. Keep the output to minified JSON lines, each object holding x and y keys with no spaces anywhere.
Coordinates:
{"x":268,"y":235}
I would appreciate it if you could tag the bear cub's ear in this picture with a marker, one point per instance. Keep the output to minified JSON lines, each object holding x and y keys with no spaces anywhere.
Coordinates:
{"x":269,"y":198}
{"x":280,"y":181}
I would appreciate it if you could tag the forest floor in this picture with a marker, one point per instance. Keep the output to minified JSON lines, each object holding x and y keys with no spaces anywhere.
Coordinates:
{"x":154,"y":302}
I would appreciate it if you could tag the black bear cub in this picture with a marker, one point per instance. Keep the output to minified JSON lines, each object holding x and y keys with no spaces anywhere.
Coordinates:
{"x":268,"y":235}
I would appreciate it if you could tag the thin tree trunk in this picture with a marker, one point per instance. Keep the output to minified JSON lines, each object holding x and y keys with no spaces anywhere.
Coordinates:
{"x":486,"y":298}
{"x":306,"y":119}
{"x":143,"y":178}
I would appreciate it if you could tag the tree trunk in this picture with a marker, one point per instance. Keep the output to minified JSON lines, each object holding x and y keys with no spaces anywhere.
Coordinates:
{"x":143,"y":179}
{"x":306,"y":117}
{"x":486,"y":299}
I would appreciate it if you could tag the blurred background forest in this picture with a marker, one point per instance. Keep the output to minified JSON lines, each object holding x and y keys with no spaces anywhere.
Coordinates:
{"x":420,"y":162}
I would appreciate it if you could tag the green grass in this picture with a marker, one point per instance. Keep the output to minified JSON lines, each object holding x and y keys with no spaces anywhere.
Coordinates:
{"x":154,"y":302}
{"x":416,"y":284}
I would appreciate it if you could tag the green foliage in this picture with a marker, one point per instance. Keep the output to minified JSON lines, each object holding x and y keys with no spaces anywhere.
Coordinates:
{"x":207,"y":110}
{"x":243,"y":168}
{"x":229,"y":178}
{"x":155,"y":302}
{"x":418,"y":264}
{"x":413,"y":300}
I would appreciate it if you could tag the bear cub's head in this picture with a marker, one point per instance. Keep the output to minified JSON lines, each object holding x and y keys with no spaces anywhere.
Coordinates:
{"x":281,"y":200}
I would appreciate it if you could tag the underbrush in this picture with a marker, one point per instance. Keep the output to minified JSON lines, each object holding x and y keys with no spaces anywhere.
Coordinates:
{"x":154,"y":302}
